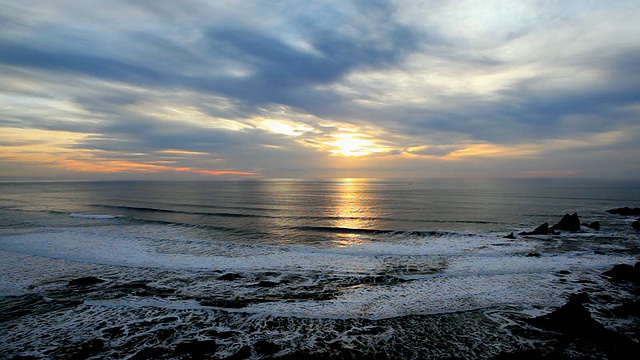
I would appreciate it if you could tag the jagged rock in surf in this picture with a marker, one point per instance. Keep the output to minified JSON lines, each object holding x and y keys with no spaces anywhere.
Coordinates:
{"x":540,"y":230}
{"x":510,"y":236}
{"x":149,"y":353}
{"x":636,"y":225}
{"x":83,"y":281}
{"x":243,"y":353}
{"x":267,"y":284}
{"x":230,"y":277}
{"x":625,"y":211}
{"x":575,"y":320}
{"x":628,"y":309}
{"x":267,"y":348}
{"x":82,"y":350}
{"x":624,"y":272}
{"x":594,"y":225}
{"x":196,"y":347}
{"x":568,"y":223}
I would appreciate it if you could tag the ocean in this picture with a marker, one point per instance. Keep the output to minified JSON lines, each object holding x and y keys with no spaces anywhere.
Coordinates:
{"x":351,"y":268}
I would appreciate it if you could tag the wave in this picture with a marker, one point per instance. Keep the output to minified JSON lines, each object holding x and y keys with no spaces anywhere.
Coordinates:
{"x":345,"y":230}
{"x":187,"y":225}
{"x":95,"y":216}
{"x":299,"y":217}
{"x":158,"y":210}
{"x":158,"y":222}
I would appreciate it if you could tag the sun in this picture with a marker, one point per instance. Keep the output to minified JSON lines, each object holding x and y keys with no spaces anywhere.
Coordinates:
{"x":349,"y":145}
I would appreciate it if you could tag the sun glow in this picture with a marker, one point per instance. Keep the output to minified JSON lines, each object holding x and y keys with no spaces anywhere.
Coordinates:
{"x":351,"y":146}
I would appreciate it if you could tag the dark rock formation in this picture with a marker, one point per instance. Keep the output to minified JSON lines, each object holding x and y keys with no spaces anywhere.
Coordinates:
{"x":534,"y":354}
{"x":79,"y":351}
{"x":243,"y":353}
{"x":594,"y":225}
{"x":114,"y":331}
{"x":263,"y":347}
{"x":83,"y":281}
{"x":196,"y":347}
{"x":625,"y":211}
{"x":574,"y":319}
{"x":225,"y":303}
{"x":624,"y":272}
{"x":149,"y":353}
{"x":230,"y":277}
{"x":540,"y":230}
{"x":568,"y":223}
{"x":628,"y":309}
{"x":510,"y":236}
{"x":636,"y":225}
{"x":267,"y":284}
{"x":223,"y":334}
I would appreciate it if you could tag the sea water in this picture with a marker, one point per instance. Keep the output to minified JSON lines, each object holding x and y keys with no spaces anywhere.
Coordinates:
{"x":387,"y":268}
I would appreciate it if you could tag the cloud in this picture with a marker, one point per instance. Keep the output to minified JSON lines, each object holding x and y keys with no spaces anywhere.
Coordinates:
{"x":269,"y":87}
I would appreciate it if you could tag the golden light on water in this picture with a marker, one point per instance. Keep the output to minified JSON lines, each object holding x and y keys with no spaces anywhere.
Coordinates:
{"x":353,"y":208}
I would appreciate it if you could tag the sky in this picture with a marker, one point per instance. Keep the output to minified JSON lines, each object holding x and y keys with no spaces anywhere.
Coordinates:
{"x":157,"y":89}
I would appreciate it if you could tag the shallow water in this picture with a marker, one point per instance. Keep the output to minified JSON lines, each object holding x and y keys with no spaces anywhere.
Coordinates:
{"x":352,"y":267}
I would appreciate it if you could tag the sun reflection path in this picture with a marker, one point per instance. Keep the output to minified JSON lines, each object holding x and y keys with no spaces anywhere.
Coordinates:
{"x":354,"y":208}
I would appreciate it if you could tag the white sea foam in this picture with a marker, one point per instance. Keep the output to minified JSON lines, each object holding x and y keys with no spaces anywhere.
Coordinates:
{"x":450,"y":273}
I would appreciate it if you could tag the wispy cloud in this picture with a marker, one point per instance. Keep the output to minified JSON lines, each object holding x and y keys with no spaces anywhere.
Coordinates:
{"x":329,"y":88}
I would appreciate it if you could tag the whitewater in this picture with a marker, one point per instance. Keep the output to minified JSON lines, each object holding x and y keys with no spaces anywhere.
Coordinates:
{"x":279,"y":268}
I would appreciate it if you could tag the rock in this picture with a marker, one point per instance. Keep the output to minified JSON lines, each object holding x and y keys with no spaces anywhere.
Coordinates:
{"x":164,"y":334}
{"x":83,"y":281}
{"x":88,"y":349}
{"x":149,"y":353}
{"x":533,"y":254}
{"x":594,"y":225}
{"x":636,"y":225}
{"x":267,"y":284}
{"x":572,"y":318}
{"x":624,"y":272}
{"x":114,"y":331}
{"x":540,"y":230}
{"x":510,"y":236}
{"x":243,"y":353}
{"x":237,"y":303}
{"x":535,"y":354}
{"x":223,"y":334}
{"x":568,"y":223}
{"x":230,"y":277}
{"x":625,"y":211}
{"x":153,"y":291}
{"x":199,"y":347}
{"x":628,"y":309}
{"x":267,"y":348}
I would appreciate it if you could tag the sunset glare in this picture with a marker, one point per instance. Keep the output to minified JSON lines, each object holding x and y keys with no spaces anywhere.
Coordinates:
{"x":203,"y":90}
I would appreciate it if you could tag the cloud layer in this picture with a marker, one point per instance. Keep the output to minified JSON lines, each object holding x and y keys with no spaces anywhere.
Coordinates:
{"x":197,"y":89}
